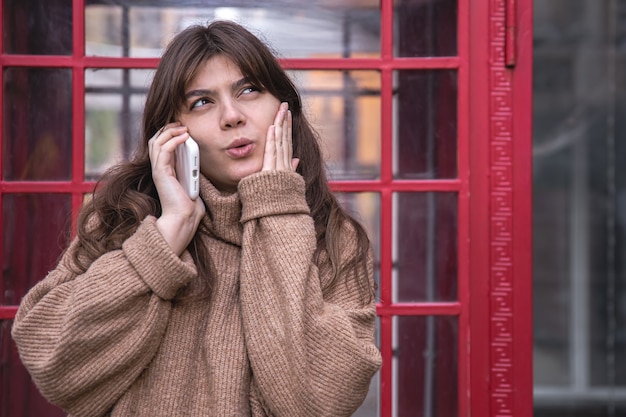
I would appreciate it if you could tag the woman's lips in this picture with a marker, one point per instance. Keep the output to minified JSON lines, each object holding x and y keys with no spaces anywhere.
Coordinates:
{"x":240,"y":148}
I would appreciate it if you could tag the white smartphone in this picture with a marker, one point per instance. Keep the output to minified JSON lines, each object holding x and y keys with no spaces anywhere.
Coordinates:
{"x":188,"y":167}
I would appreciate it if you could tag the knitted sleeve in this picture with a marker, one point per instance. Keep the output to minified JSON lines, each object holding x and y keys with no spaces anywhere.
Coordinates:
{"x":311,"y":354}
{"x":86,"y":338}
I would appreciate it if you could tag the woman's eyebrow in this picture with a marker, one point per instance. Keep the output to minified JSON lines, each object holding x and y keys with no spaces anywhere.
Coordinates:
{"x":198,"y":93}
{"x":204,"y":92}
{"x":240,"y":83}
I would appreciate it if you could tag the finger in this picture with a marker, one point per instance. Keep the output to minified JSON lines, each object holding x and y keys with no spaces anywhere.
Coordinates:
{"x":163,"y":153}
{"x":269,"y":154}
{"x":167,"y":126}
{"x":168,"y":132}
{"x":288,"y":140}
{"x":278,"y":138}
{"x":162,"y":145}
{"x":173,"y":142}
{"x":294,"y":163}
{"x":171,"y":132}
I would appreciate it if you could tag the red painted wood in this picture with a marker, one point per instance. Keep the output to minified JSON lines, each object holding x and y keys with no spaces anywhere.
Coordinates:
{"x":386,"y":237}
{"x":463,"y":240}
{"x":46,"y":186}
{"x":288,"y":63}
{"x":479,"y":339}
{"x":10,"y":315}
{"x":511,"y":33}
{"x":522,"y":229}
{"x":7,"y":313}
{"x":397,"y":185}
{"x":420,"y":309}
{"x":501,"y":268}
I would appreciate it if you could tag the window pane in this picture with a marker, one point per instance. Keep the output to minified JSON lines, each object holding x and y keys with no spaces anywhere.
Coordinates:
{"x":35,"y":230}
{"x":365,"y":207}
{"x":294,"y":28}
{"x":425,"y":366}
{"x":425,"y":247}
{"x":36,"y":27}
{"x":425,"y":131}
{"x":344,"y":108}
{"x":425,"y":28}
{"x":19,"y":395}
{"x":370,"y":405}
{"x":114,"y":101}
{"x":37,"y":124}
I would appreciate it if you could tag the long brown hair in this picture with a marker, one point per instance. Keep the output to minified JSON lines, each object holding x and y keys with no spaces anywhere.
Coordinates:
{"x":127,"y":193}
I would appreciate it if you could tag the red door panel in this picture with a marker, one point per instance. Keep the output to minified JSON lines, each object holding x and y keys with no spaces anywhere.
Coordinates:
{"x":426,"y":118}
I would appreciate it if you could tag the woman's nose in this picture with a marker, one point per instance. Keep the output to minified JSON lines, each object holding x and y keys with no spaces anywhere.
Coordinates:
{"x":232,"y":116}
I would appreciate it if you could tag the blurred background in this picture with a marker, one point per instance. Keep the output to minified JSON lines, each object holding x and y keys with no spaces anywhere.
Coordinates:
{"x":579,"y":212}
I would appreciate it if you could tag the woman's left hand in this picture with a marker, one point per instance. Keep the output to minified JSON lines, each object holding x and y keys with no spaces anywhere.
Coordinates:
{"x":279,"y":143}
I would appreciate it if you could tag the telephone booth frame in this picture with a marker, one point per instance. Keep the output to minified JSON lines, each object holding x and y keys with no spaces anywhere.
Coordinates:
{"x":493,"y":188}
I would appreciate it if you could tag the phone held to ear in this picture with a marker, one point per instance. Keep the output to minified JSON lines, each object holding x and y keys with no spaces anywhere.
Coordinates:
{"x":188,"y":167}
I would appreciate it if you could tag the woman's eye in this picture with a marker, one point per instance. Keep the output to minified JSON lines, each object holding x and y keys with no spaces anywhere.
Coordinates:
{"x":200,"y":102}
{"x":248,"y":90}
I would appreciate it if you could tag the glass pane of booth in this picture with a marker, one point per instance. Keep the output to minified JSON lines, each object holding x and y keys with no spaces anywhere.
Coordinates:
{"x":425,"y":28}
{"x":19,"y":395}
{"x":425,"y":366}
{"x":425,"y":124}
{"x":35,"y":230}
{"x":365,"y":208}
{"x":425,"y":247}
{"x":114,"y":101}
{"x":344,"y":108}
{"x":371,"y":406}
{"x":37,"y":124}
{"x":339,"y":28}
{"x":35,"y":27}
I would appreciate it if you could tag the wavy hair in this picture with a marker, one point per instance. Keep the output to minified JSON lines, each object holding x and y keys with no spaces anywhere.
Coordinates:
{"x":126,"y":193}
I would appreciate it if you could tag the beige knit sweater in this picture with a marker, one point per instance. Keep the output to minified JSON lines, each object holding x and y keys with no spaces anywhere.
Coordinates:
{"x":268,"y":343}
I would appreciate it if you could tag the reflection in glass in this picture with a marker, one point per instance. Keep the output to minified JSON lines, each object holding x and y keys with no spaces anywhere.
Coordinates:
{"x":339,"y":28}
{"x":425,"y":247}
{"x":365,"y":208}
{"x":425,"y":28}
{"x":344,"y":108}
{"x":425,"y":130}
{"x":114,"y":101}
{"x":425,"y":366}
{"x":35,"y":27}
{"x":35,"y":230}
{"x":37,"y":124}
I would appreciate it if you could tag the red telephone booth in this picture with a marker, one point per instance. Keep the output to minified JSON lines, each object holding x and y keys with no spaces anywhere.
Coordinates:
{"x":424,"y":110}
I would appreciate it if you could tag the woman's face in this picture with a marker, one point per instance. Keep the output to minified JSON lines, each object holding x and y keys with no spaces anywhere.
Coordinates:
{"x":229,"y":118}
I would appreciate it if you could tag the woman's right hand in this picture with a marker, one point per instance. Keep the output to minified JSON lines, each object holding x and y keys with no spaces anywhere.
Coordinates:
{"x":180,"y":215}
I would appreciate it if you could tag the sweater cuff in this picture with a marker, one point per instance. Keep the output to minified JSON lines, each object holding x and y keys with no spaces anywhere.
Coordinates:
{"x":161,"y":269}
{"x":269,"y":193}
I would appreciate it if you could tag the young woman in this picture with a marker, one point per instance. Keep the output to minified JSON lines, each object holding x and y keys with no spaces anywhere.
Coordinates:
{"x":255,"y":299}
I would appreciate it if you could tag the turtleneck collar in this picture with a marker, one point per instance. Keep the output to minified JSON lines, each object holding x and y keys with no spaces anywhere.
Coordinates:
{"x":223,"y":213}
